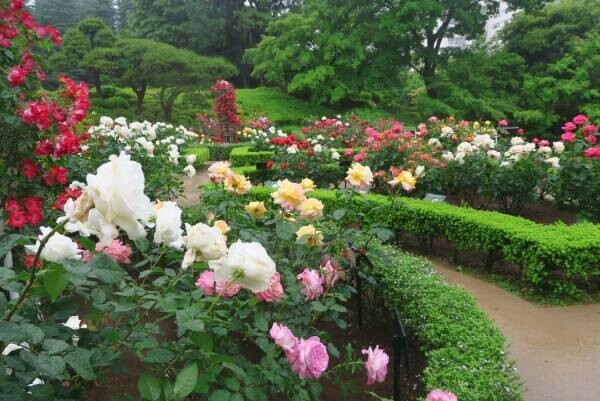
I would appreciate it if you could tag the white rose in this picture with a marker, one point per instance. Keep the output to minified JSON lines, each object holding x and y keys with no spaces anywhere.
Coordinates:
{"x":420,"y":171}
{"x":248,"y":259}
{"x":123,"y":132}
{"x":318,"y":148}
{"x":74,"y":323}
{"x":447,"y":131}
{"x":106,"y":121}
{"x":434,"y":142}
{"x":190,"y":159}
{"x":117,"y":192}
{"x":179,"y":141}
{"x":121,"y":120}
{"x":292,"y":149}
{"x":448,"y":156}
{"x":335,"y":155}
{"x":189,"y":170}
{"x":168,"y":225}
{"x":207,"y":242}
{"x":545,"y":150}
{"x":516,"y":140}
{"x":529,"y":147}
{"x":554,"y":161}
{"x":558,"y":147}
{"x":57,"y":249}
{"x":494,"y":154}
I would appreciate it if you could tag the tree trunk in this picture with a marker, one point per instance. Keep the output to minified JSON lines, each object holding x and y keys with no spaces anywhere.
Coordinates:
{"x":98,"y":84}
{"x":139,"y":103}
{"x":428,"y":75}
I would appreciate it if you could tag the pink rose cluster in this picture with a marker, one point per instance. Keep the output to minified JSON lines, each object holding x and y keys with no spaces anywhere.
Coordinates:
{"x":274,"y":292}
{"x":588,"y":130}
{"x":117,"y":250}
{"x":206,"y":283}
{"x":308,"y":357}
{"x":314,"y":282}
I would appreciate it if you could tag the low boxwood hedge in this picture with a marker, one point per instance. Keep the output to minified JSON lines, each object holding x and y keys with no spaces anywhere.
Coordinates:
{"x":465,"y":352}
{"x":202,"y":155}
{"x":244,"y":156}
{"x":558,"y":259}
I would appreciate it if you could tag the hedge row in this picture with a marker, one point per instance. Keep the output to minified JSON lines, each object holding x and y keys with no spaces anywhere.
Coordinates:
{"x":465,"y":352}
{"x":552,"y":258}
{"x":202,"y":155}
{"x":244,"y":156}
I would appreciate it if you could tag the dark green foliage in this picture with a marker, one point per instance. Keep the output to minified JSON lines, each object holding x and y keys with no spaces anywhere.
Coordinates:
{"x":64,"y":14}
{"x":244,"y":156}
{"x":558,"y":259}
{"x":463,"y":349}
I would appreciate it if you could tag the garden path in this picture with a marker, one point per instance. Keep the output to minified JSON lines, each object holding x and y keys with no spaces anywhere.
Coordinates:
{"x":557,"y":348}
{"x":191,"y":188}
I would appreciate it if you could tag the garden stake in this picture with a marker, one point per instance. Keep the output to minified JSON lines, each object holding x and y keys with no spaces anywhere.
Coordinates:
{"x":400,"y":348}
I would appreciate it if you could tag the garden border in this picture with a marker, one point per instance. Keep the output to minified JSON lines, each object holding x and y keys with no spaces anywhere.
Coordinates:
{"x":465,"y":352}
{"x":552,"y":258}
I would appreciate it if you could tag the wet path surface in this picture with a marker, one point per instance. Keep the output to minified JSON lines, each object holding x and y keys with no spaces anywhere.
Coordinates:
{"x":557,"y":348}
{"x":191,"y":187}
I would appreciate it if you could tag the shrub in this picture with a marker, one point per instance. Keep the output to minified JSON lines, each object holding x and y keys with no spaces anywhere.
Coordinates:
{"x":243,"y":156}
{"x":202,"y":155}
{"x":558,"y":259}
{"x":463,"y":349}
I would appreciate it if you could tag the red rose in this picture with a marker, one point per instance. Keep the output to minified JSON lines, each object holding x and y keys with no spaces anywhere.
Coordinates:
{"x":29,"y":168}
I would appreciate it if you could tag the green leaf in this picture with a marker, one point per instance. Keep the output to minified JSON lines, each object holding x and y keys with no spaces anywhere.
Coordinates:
{"x":339,"y":213}
{"x":318,"y":306}
{"x":158,"y":355}
{"x":54,"y":346}
{"x":105,"y":269}
{"x":232,"y":383}
{"x":52,"y":366}
{"x":261,"y":322}
{"x":142,"y":244}
{"x":79,"y":360}
{"x":12,"y":332}
{"x":6,"y":276}
{"x":7,"y":242}
{"x":220,"y":395}
{"x":98,"y":295}
{"x":193,"y":325}
{"x":149,"y":387}
{"x":34,"y":333}
{"x":56,"y":280}
{"x":203,"y":340}
{"x":186,"y":380}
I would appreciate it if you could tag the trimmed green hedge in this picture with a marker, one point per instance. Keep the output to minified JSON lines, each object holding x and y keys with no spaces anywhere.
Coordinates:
{"x":222,"y":151}
{"x":243,"y":156}
{"x":202,"y":155}
{"x":552,"y":258}
{"x":465,"y":352}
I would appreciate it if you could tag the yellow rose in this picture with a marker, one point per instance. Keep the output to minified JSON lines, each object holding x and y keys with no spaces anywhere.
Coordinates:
{"x":308,"y":184}
{"x":255,"y":209}
{"x":223,"y":226}
{"x":311,"y":235}
{"x":289,"y":195}
{"x":476,"y":124}
{"x":311,"y":209}
{"x":359,"y":175}
{"x":406,"y":179}
{"x":219,"y":171}
{"x":237,"y":183}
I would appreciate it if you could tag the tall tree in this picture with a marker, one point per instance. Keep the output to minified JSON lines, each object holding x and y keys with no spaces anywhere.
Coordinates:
{"x":123,"y":8}
{"x":350,"y":36}
{"x":103,"y":9}
{"x":225,"y":27}
{"x":88,"y":36}
{"x":62,"y":14}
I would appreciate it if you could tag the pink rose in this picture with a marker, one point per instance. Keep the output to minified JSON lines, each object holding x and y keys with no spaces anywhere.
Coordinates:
{"x":274,"y":292}
{"x":359,"y":157}
{"x":569,"y":126}
{"x":580,"y":119}
{"x":348,"y":152}
{"x":311,"y":358}
{"x":206,"y":283}
{"x":589,"y":129}
{"x":371,"y":132}
{"x":408,"y":135}
{"x":592,"y":153}
{"x":312,"y":282}
{"x":86,"y":256}
{"x":503,"y":123}
{"x":433,"y":119}
{"x":286,"y":340}
{"x":397,"y":127}
{"x":439,"y":395}
{"x":568,"y":137}
{"x":118,"y":251}
{"x":543,"y":142}
{"x":591,"y":139}
{"x":376,"y":364}
{"x":330,"y":274}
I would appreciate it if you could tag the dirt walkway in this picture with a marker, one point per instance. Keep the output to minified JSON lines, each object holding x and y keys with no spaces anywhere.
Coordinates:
{"x":557,"y":349}
{"x":191,"y":188}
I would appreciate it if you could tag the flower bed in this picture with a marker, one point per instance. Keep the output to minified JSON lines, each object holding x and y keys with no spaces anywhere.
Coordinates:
{"x":463,"y":349}
{"x":554,"y":258}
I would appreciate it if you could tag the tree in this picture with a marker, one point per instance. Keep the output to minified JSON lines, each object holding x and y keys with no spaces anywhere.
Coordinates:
{"x":87,"y":37}
{"x":62,"y":14}
{"x":224,"y":28}
{"x":123,"y":9}
{"x":176,"y":70}
{"x":351,"y":38}
{"x":103,"y":9}
{"x":544,"y":35}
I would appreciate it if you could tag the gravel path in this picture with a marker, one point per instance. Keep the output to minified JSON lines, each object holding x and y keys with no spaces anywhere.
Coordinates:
{"x":557,"y":349}
{"x":191,"y":188}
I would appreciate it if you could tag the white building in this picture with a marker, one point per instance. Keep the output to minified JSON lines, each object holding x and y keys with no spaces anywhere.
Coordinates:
{"x":492,"y":27}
